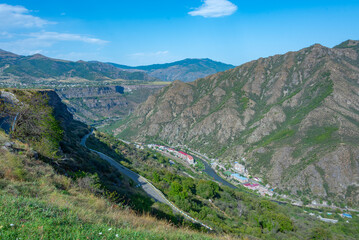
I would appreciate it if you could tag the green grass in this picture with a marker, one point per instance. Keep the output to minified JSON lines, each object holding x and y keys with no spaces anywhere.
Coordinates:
{"x":319,"y":135}
{"x":28,"y":218}
{"x":263,"y":161}
{"x":276,"y":136}
{"x":45,"y":205}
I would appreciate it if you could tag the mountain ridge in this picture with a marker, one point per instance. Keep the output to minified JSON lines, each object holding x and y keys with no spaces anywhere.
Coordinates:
{"x":39,"y":67}
{"x":187,"y":70}
{"x":293,"y":117}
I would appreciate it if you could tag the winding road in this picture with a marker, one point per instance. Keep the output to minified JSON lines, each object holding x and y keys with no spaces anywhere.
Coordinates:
{"x":151,"y":190}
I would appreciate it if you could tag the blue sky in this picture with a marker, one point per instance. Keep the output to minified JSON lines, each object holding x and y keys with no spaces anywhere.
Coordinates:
{"x":140,"y":32}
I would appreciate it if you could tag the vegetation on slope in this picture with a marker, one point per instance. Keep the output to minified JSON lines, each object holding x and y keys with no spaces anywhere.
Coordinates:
{"x":28,"y":68}
{"x":36,"y":202}
{"x":226,"y":210}
{"x":72,"y":194}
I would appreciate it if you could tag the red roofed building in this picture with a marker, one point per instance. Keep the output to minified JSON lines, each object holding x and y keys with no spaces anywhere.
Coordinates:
{"x":186,"y":157}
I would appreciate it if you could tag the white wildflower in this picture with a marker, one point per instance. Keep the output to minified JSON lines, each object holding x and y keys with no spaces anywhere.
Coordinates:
{"x":117,"y":235}
{"x":110,"y":229}
{"x":100,"y":233}
{"x":11,"y":224}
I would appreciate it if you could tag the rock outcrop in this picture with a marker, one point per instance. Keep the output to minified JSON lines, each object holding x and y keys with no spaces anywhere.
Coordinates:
{"x":96,"y":105}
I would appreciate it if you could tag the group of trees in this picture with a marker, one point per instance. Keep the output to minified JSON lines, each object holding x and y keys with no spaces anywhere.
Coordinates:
{"x":34,"y":121}
{"x":226,"y":209}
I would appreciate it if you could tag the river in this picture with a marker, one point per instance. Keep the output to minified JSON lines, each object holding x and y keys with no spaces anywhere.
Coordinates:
{"x":213,"y":174}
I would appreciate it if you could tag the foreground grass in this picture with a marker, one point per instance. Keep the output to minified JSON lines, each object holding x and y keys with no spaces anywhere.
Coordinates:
{"x":27,"y":218}
{"x":38,"y":203}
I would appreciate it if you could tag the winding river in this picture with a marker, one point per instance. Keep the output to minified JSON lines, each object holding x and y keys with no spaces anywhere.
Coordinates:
{"x":209,"y":170}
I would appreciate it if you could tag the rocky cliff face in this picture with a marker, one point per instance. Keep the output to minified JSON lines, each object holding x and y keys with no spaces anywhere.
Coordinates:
{"x":293,"y":117}
{"x":100,"y":104}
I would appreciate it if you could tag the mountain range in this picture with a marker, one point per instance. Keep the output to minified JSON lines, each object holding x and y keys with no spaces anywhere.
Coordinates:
{"x":292,"y":119}
{"x":31,"y":69}
{"x":186,"y":70}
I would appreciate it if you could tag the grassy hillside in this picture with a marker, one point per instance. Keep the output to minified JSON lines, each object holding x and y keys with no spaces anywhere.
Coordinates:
{"x":67,"y":192}
{"x":36,"y":202}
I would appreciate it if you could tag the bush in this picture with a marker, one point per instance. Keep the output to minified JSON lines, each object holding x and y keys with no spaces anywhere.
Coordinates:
{"x":207,"y":189}
{"x":35,"y":122}
{"x":12,"y":167}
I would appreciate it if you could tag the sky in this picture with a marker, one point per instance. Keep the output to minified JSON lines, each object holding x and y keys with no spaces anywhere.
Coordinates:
{"x":142,"y":32}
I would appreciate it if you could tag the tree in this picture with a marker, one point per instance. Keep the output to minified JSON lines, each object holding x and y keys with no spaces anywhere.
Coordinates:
{"x":156,"y":177}
{"x":268,"y":205}
{"x":35,"y":122}
{"x":175,"y":189}
{"x":320,"y":233}
{"x":188,"y":185}
{"x":207,"y":189}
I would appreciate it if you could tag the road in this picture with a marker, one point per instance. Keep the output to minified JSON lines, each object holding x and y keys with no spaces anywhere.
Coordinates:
{"x":151,"y":190}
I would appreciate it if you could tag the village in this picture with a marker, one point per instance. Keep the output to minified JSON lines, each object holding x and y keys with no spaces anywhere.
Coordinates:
{"x":239,"y":173}
{"x":179,"y":154}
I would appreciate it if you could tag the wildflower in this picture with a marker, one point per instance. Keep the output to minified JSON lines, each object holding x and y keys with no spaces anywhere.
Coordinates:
{"x":110,"y":229}
{"x":117,"y":235}
{"x":11,"y":224}
{"x":100,"y":233}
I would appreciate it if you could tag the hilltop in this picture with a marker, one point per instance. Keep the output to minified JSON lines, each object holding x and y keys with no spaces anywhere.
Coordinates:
{"x":292,"y":119}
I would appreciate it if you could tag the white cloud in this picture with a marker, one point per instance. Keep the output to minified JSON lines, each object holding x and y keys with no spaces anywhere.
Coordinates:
{"x":31,"y":43}
{"x":150,"y":54}
{"x":19,"y":17}
{"x":19,"y":33}
{"x":214,"y":8}
{"x":146,"y":58}
{"x":5,"y":35}
{"x":55,"y":36}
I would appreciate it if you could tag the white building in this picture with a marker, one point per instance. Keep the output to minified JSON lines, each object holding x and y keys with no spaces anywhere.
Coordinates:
{"x":239,"y":168}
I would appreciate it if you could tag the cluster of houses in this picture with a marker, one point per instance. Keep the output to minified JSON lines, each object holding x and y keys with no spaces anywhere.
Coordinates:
{"x":330,"y":220}
{"x":182,"y":155}
{"x":241,"y":175}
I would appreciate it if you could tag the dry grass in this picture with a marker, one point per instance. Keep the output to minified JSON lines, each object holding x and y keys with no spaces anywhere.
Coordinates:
{"x":27,"y":177}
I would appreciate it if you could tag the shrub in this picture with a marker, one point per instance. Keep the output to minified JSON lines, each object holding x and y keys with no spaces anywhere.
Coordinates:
{"x":11,"y":166}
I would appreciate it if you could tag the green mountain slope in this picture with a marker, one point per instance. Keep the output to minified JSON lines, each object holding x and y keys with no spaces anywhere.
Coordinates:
{"x":186,"y":70}
{"x":27,"y":69}
{"x":292,"y":119}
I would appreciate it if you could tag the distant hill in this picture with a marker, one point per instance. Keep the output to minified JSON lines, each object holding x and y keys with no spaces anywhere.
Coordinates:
{"x":26,"y":68}
{"x":186,"y":70}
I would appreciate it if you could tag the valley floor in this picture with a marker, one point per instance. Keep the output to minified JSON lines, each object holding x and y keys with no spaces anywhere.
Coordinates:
{"x":253,"y":185}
